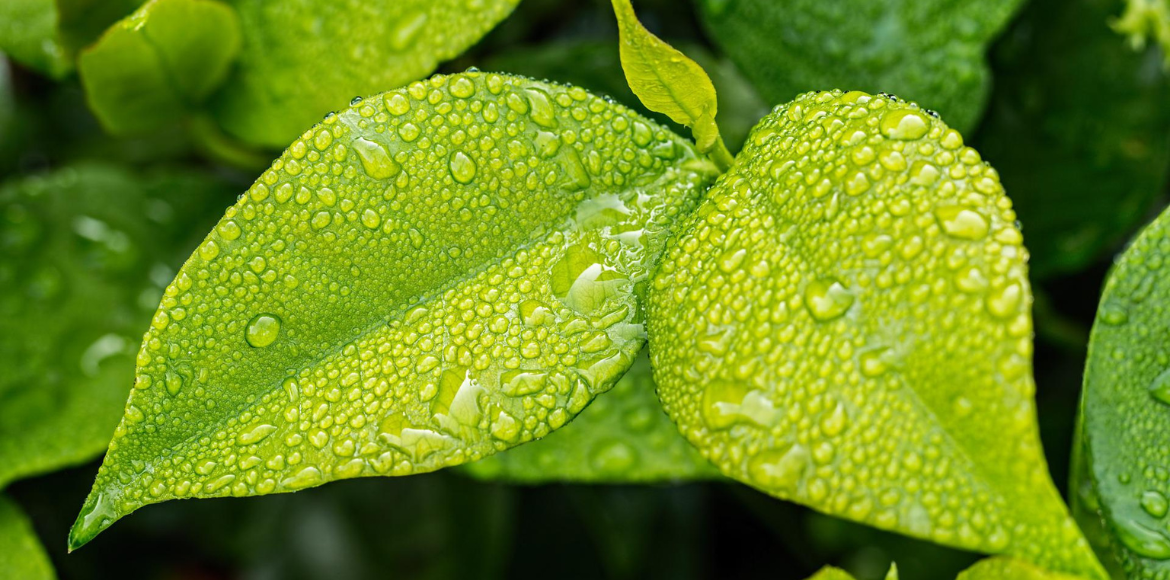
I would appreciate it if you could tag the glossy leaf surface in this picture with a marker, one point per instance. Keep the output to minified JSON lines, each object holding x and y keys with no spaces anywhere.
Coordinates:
{"x":1126,"y":408}
{"x":84,"y":255}
{"x":433,"y":275}
{"x":21,"y":554}
{"x":159,"y":63}
{"x":844,"y":322}
{"x":1079,"y":129}
{"x":930,"y":51}
{"x":623,"y":436}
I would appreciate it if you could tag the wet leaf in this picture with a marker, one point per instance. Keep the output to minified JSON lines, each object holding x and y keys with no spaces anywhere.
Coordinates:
{"x":1125,"y":409}
{"x":84,"y":255}
{"x":621,"y":437}
{"x":21,"y":553}
{"x":159,"y":63}
{"x":668,"y":82}
{"x":844,"y":322}
{"x":1008,"y":569}
{"x":930,"y":51}
{"x":596,"y":65}
{"x":45,"y":34}
{"x":1079,"y":130}
{"x":435,"y":274}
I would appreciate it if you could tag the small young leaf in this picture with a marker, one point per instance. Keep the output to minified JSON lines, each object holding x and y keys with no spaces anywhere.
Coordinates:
{"x":21,"y":553}
{"x":844,"y":322}
{"x":435,"y":274}
{"x":159,"y":63}
{"x":1079,"y":122}
{"x":82,"y":251}
{"x":927,"y":50}
{"x":668,"y":82}
{"x":621,"y":437}
{"x":45,"y":34}
{"x":1009,"y":569}
{"x":1125,"y":408}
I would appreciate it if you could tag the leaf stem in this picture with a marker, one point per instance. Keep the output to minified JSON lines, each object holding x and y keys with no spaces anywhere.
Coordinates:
{"x":720,"y":155}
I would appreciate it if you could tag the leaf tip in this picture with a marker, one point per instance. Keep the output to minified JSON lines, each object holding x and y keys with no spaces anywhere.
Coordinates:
{"x":96,"y":515}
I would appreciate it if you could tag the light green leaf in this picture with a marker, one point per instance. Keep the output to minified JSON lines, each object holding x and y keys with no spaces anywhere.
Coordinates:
{"x":159,"y":63}
{"x":304,"y":58}
{"x":596,"y":65}
{"x":668,"y":82}
{"x":1009,"y":569}
{"x":1125,"y":409}
{"x":831,"y":573}
{"x":1079,"y":129}
{"x":21,"y":554}
{"x":84,"y":254}
{"x":1145,"y":20}
{"x":45,"y":34}
{"x":844,"y":322}
{"x":435,"y":274}
{"x":621,"y":437}
{"x":930,"y":51}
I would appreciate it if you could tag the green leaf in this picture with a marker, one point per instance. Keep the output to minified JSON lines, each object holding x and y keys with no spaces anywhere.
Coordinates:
{"x":831,"y":573}
{"x":621,"y":437}
{"x":82,"y":251}
{"x":21,"y":554}
{"x":159,"y":63}
{"x":668,"y":82}
{"x":1009,"y":569}
{"x":1144,"y":20}
{"x":596,"y":65}
{"x":844,"y":322}
{"x":302,"y":58}
{"x":45,"y":34}
{"x":435,"y":274}
{"x":1078,"y":122}
{"x":1125,"y":410}
{"x":930,"y":51}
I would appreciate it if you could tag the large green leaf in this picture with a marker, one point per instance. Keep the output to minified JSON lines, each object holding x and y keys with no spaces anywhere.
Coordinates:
{"x":844,"y":322}
{"x":21,"y":554}
{"x":435,"y":274}
{"x":1008,"y":569}
{"x":159,"y":63}
{"x":1125,"y":408}
{"x":1079,"y":128}
{"x":303,"y":58}
{"x":595,"y":65}
{"x":930,"y":51}
{"x":621,"y":437}
{"x":45,"y":34}
{"x":84,"y":255}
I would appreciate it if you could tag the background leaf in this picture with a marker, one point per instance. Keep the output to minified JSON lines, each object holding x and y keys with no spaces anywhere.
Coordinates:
{"x":433,"y":275}
{"x":45,"y":34}
{"x":84,"y":254}
{"x":21,"y":554}
{"x":844,"y":322}
{"x":929,"y":51}
{"x":1079,"y":129}
{"x":159,"y":63}
{"x":621,"y":437}
{"x":1125,"y":411}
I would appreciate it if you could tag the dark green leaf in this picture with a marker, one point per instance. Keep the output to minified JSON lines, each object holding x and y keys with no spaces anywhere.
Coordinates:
{"x":21,"y":554}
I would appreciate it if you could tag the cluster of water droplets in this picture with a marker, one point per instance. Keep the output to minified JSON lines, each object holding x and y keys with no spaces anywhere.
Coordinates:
{"x":430,"y":276}
{"x":845,"y":322}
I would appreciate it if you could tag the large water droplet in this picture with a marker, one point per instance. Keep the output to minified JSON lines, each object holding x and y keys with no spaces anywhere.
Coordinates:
{"x":962,"y":223}
{"x":1160,"y":388}
{"x":1154,"y":503}
{"x":1142,"y":540}
{"x":262,"y":330}
{"x":904,"y":124}
{"x":779,"y":469}
{"x":462,"y":167}
{"x":827,"y":299}
{"x":376,"y":159}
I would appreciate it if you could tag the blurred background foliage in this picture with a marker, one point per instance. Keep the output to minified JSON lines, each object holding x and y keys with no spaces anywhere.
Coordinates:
{"x":1077,"y":122}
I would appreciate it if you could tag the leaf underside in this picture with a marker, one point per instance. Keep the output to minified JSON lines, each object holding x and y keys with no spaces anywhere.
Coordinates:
{"x":622,"y":437}
{"x":430,"y":276}
{"x":930,"y":51}
{"x":21,"y":553}
{"x":81,"y":257}
{"x":844,"y":322}
{"x":1125,"y":409}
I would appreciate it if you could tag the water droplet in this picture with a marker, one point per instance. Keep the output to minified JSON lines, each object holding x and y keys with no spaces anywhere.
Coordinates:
{"x":376,"y":159}
{"x":963,"y":223}
{"x":827,"y":299}
{"x":1160,"y":388}
{"x":257,"y":434}
{"x":1005,"y":301}
{"x":904,"y":124}
{"x":779,"y":469}
{"x":721,"y":403}
{"x":1154,"y":503}
{"x":1143,"y":540}
{"x":1114,"y":314}
{"x":262,"y":330}
{"x":462,"y":167}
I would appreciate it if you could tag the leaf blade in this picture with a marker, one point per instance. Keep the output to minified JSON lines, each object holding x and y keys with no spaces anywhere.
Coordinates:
{"x":21,"y":553}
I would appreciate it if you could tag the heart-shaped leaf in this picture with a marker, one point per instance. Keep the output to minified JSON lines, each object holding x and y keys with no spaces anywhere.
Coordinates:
{"x":844,"y":322}
{"x":1125,"y":409}
{"x":621,"y":437}
{"x":21,"y":553}
{"x":435,"y":274}
{"x":45,"y":34}
{"x":927,"y":50}
{"x":84,"y":255}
